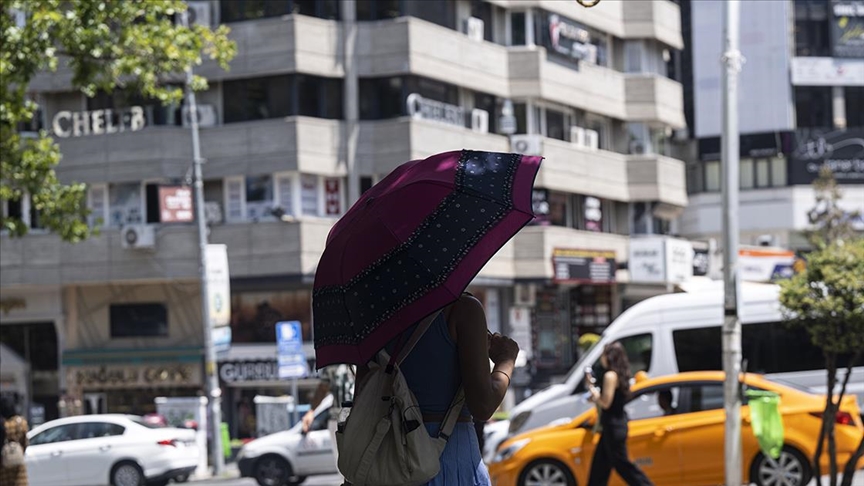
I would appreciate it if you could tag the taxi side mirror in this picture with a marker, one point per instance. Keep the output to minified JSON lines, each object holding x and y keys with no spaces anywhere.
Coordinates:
{"x":640,"y":376}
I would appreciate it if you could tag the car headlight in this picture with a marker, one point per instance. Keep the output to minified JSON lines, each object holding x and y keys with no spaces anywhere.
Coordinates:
{"x":518,"y":421}
{"x":508,"y":452}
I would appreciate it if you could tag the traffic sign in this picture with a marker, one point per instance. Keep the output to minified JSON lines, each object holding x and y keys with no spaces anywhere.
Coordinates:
{"x":289,"y":347}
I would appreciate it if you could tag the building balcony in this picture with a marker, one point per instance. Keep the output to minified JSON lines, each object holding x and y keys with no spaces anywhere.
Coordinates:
{"x":309,"y":145}
{"x":657,"y":178}
{"x":408,"y":45}
{"x":533,"y":247}
{"x":569,"y":168}
{"x":279,"y":45}
{"x":655,"y":98}
{"x":658,"y":19}
{"x":593,"y":88}
{"x":383,"y":145}
{"x":254,"y":249}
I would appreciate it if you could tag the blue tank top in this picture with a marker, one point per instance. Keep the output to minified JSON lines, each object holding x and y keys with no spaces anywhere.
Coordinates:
{"x":432,"y":368}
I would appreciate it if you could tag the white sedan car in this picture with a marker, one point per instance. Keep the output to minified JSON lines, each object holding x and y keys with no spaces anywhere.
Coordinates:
{"x":287,"y":457}
{"x":120,"y":450}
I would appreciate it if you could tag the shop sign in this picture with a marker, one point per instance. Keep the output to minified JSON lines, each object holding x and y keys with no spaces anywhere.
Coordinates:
{"x":847,"y":28}
{"x":827,"y":71}
{"x":701,"y":262}
{"x":568,"y":39}
{"x":332,"y":197}
{"x":289,"y":348}
{"x":426,"y":109}
{"x":136,"y":376}
{"x":10,"y":304}
{"x":175,"y":204}
{"x":242,"y":371}
{"x":841,"y":150}
{"x":98,"y":122}
{"x":660,"y":260}
{"x":583,"y":266}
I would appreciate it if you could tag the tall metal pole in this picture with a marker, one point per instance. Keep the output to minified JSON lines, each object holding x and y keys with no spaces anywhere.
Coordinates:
{"x":731,"y":325}
{"x":214,"y":394}
{"x":351,"y":99}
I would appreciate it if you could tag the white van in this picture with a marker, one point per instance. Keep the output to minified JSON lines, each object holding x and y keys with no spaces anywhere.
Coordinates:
{"x":681,"y":332}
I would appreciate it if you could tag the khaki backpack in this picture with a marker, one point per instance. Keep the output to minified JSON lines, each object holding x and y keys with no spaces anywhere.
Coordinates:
{"x":384,"y":442}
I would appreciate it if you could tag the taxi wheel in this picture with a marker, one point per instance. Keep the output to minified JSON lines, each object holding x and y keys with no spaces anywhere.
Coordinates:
{"x":546,"y":472}
{"x":790,"y":469}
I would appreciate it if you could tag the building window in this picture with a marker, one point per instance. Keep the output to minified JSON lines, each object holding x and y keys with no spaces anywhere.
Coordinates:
{"x":517,"y":29}
{"x":138,"y":320}
{"x":97,"y":203}
{"x":712,"y":176}
{"x":381,"y":98}
{"x":559,"y":209}
{"x":520,"y":111}
{"x":280,"y":96}
{"x":377,"y":9}
{"x":366,"y":183}
{"x":812,"y":28}
{"x":778,"y":172}
{"x":854,"y":101}
{"x":285,"y":194}
{"x":555,"y":124}
{"x":125,"y":204}
{"x":441,"y":12}
{"x":257,"y":98}
{"x":813,"y":107}
{"x":259,"y":198}
{"x":309,"y":194}
{"x":154,"y":111}
{"x":239,"y":10}
{"x":763,"y":173}
{"x":483,"y":11}
{"x":745,"y":173}
{"x":235,"y":199}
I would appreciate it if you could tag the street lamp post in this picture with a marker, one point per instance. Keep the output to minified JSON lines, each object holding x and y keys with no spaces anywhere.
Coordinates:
{"x":732,"y":61}
{"x":214,"y":394}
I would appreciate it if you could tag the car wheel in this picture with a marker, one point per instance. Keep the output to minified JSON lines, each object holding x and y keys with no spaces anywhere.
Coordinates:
{"x":546,"y":472}
{"x":181,"y":478}
{"x":296,"y":480}
{"x":272,"y":470}
{"x":127,"y":474}
{"x":790,"y":469}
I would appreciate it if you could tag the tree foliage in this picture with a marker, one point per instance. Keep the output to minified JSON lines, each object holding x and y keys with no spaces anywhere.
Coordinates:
{"x":827,"y":299}
{"x":132,"y":44}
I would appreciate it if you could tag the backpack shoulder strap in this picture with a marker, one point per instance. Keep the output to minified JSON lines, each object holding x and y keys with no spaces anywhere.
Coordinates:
{"x":400,"y":354}
{"x":449,"y":422}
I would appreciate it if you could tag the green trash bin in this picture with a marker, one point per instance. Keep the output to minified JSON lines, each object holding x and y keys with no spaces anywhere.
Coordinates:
{"x":767,"y":423}
{"x":226,"y":440}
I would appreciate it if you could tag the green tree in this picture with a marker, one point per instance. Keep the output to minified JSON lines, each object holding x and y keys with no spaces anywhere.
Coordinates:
{"x":827,"y":299}
{"x":129,"y":44}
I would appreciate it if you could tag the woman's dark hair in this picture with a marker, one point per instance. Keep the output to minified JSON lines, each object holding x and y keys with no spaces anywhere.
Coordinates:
{"x":617,"y":360}
{"x":7,"y":407}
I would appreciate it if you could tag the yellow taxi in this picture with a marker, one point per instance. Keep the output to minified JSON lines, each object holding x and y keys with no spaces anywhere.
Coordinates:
{"x":676,"y":437}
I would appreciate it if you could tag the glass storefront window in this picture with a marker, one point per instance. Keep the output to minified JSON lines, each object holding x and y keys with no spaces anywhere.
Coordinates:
{"x":745,"y":173}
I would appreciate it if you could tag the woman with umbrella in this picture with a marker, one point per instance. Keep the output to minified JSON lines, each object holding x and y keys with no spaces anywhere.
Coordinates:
{"x":405,"y":252}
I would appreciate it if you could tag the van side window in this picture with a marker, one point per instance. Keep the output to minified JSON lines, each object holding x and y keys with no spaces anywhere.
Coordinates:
{"x":698,"y":349}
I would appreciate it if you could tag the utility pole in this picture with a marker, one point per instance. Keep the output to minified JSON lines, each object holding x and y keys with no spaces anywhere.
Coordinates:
{"x":214,"y":394}
{"x":732,"y":61}
{"x":350,"y":98}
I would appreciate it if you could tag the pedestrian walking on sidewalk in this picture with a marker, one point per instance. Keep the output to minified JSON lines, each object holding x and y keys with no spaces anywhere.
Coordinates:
{"x":611,"y":452}
{"x":15,"y":440}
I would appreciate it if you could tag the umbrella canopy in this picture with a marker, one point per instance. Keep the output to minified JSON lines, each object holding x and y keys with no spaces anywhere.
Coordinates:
{"x":412,"y":244}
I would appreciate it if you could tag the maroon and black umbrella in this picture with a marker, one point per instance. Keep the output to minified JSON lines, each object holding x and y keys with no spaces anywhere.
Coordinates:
{"x":412,"y":244}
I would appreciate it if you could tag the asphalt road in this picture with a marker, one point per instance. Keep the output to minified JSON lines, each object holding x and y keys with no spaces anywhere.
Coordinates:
{"x":332,"y":480}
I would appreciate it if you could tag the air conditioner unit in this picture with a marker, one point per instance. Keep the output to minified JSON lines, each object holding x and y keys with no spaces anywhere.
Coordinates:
{"x":206,"y":116}
{"x":592,"y":139}
{"x":199,"y":13}
{"x":213,"y":212}
{"x":480,"y":121}
{"x":527,"y":144}
{"x":138,"y":237}
{"x":577,"y":136}
{"x":637,"y":147}
{"x":525,"y":295}
{"x":474,"y":28}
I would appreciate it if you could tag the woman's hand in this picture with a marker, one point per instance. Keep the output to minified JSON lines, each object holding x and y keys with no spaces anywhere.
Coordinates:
{"x":307,"y":420}
{"x":502,"y":348}
{"x":595,"y":394}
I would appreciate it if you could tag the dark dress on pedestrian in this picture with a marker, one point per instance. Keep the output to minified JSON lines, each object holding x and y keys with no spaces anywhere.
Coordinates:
{"x":611,"y":451}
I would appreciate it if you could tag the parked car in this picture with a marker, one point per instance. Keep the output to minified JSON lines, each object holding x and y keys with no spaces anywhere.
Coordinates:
{"x":120,"y":450}
{"x":288,"y":457}
{"x":681,"y":444}
{"x":675,"y":333}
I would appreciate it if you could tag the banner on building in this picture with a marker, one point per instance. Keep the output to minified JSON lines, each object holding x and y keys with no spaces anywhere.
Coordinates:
{"x":847,"y":28}
{"x":566,"y":38}
{"x":583,"y":266}
{"x":765,"y":264}
{"x":660,"y":260}
{"x":840,"y":150}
